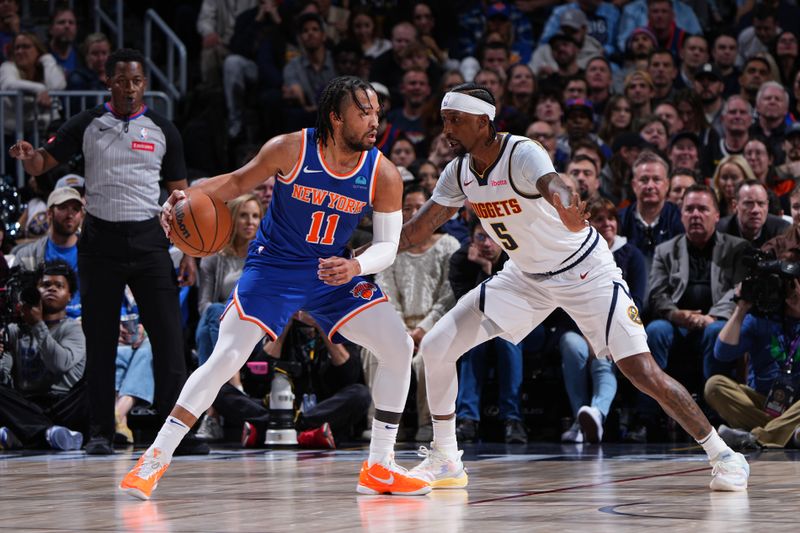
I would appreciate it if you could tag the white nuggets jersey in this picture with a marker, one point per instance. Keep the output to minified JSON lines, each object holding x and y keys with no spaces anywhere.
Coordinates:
{"x":512,"y":211}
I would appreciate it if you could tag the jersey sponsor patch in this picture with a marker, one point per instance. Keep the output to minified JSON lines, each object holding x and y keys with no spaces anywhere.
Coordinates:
{"x":633,"y":314}
{"x":147,"y":147}
{"x":363,"y":289}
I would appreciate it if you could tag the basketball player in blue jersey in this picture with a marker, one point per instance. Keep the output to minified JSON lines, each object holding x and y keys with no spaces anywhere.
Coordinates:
{"x":556,"y":260}
{"x":328,"y":178}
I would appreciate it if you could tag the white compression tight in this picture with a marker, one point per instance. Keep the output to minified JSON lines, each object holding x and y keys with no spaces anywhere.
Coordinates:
{"x":380,"y":330}
{"x":235,"y":343}
{"x":462,"y":328}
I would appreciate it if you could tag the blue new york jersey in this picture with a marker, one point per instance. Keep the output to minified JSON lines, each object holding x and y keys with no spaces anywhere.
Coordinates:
{"x":315,"y":210}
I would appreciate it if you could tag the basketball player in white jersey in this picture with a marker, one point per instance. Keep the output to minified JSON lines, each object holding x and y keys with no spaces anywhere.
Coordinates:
{"x":556,"y":260}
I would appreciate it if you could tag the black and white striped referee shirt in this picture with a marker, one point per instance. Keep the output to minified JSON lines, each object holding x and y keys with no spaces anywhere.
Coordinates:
{"x":124,"y":160}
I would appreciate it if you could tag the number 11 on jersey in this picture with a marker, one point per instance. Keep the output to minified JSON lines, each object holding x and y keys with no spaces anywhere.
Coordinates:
{"x":317,"y":217}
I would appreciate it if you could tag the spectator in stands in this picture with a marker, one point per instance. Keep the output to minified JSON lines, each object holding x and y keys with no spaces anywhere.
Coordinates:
{"x":256,"y":50}
{"x":590,"y":406}
{"x":9,"y":27}
{"x":521,"y":95}
{"x":602,"y":18}
{"x":693,"y":54}
{"x":305,"y":76}
{"x":418,"y":287}
{"x":791,"y":150}
{"x":772,"y":106}
{"x":639,"y":90}
{"x":122,"y":199}
{"x":639,"y":46}
{"x":617,"y":174}
{"x":575,"y":26}
{"x":669,"y":21}
{"x":347,"y":60}
{"x":617,"y":118}
{"x":750,"y":219}
{"x":650,"y":220}
{"x":387,"y":132}
{"x":599,"y":78}
{"x":134,"y":379}
{"x":680,"y":179}
{"x":757,"y":416}
{"x":550,"y":109}
{"x":585,"y":172}
{"x":729,"y":174}
{"x":264,"y":192}
{"x":479,"y":21}
{"x":758,"y":38}
{"x":755,"y":72}
{"x":403,"y":153}
{"x":364,"y":30}
{"x":758,"y":153}
{"x":735,"y":120}
{"x":691,"y":285}
{"x":63,"y":30}
{"x":565,"y":50}
{"x":441,"y":152}
{"x":790,"y":240}
{"x":91,"y":76}
{"x":65,"y":216}
{"x":786,"y":54}
{"x":725,"y":54}
{"x":415,"y":90}
{"x":579,"y":125}
{"x":654,"y":130}
{"x":428,"y":175}
{"x":219,"y":274}
{"x":708,"y":84}
{"x":541,"y":132}
{"x":216,"y":23}
{"x":34,"y":72}
{"x":435,"y":41}
{"x":576,"y":87}
{"x":664,"y":73}
{"x":386,"y":67}
{"x":41,"y":367}
{"x":472,"y":264}
{"x":684,"y":151}
{"x":667,"y":112}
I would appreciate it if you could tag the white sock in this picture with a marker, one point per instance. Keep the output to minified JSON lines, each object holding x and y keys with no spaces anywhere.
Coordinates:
{"x":713,"y":444}
{"x":384,"y":436}
{"x":444,"y":436}
{"x":168,"y":438}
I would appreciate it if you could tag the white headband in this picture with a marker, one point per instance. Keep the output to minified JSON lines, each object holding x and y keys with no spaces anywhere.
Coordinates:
{"x":467,"y":104}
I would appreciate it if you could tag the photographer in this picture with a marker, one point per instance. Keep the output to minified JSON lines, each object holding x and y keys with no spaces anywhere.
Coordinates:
{"x":766,"y":409}
{"x":316,"y":366}
{"x":43,"y":362}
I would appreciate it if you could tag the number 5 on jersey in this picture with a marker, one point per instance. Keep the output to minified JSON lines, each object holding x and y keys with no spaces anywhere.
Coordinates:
{"x":502,"y":233}
{"x":317,"y":217}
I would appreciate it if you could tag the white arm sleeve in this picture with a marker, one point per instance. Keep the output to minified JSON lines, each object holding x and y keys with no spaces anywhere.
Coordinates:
{"x":386,"y":228}
{"x":529,"y":163}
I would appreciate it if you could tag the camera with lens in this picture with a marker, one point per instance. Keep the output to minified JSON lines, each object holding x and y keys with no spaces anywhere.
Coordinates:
{"x":20,"y":288}
{"x":767,"y":282}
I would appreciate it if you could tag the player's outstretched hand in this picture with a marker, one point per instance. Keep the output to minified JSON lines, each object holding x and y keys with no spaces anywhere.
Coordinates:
{"x":166,"y":209}
{"x":22,"y":150}
{"x":337,"y":270}
{"x":574,"y":216}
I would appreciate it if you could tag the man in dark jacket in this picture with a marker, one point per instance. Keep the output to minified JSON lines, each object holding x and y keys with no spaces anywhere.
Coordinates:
{"x":751,"y":221}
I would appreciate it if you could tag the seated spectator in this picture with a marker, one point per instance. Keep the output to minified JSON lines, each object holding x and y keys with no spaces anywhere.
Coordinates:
{"x":574,"y":25}
{"x":772,"y":106}
{"x":680,"y":179}
{"x":756,"y":70}
{"x":650,"y":220}
{"x":579,"y":364}
{"x":63,"y":29}
{"x":550,"y":109}
{"x":689,"y":303}
{"x":403,"y":155}
{"x":9,"y":27}
{"x":617,"y":174}
{"x":654,"y":130}
{"x":756,"y":413}
{"x":661,"y":65}
{"x":639,"y":90}
{"x":433,"y":36}
{"x":584,"y":170}
{"x":520,"y":94}
{"x":603,"y":18}
{"x":43,"y":400}
{"x":617,"y":118}
{"x":364,"y":30}
{"x":219,"y":274}
{"x":418,"y":287}
{"x":758,"y":153}
{"x":791,"y":150}
{"x":541,"y":132}
{"x":134,"y":379}
{"x":330,"y":372}
{"x":441,"y":152}
{"x":578,"y":118}
{"x":668,"y":20}
{"x":415,"y":91}
{"x":684,"y":151}
{"x":35,"y":72}
{"x":693,"y":55}
{"x":92,"y":75}
{"x":735,"y":120}
{"x":64,"y":216}
{"x":667,"y":112}
{"x":750,"y":220}
{"x":427,"y":174}
{"x":472,"y":264}
{"x":725,"y":54}
{"x":502,"y":17}
{"x":215,"y":24}
{"x":732,"y":171}
{"x":758,"y":37}
{"x":709,"y":86}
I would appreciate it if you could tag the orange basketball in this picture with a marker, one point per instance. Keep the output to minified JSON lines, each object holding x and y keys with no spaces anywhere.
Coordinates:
{"x":201,"y":225}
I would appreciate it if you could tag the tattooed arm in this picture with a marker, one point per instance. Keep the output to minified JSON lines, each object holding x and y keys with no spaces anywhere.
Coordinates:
{"x":570,"y":207}
{"x":424,"y":223}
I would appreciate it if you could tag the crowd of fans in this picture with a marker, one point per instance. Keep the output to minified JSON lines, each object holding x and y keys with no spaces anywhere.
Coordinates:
{"x":674,"y":120}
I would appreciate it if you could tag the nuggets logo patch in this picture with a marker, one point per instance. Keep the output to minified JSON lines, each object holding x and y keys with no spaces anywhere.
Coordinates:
{"x":633,"y":314}
{"x":364,"y":290}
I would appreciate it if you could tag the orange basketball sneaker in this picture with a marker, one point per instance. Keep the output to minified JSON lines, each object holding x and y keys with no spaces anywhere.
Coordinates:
{"x":142,"y":480}
{"x":389,"y":478}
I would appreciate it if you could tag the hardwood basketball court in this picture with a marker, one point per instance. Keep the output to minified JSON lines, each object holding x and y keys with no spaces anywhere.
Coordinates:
{"x":538,"y":487}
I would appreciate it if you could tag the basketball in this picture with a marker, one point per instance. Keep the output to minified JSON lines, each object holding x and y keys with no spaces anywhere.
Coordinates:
{"x":201,"y":225}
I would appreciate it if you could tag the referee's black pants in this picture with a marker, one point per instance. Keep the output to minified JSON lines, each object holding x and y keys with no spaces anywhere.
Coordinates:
{"x":111,"y":255}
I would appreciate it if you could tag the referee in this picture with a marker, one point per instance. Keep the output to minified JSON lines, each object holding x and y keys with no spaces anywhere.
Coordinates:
{"x":128,"y":149}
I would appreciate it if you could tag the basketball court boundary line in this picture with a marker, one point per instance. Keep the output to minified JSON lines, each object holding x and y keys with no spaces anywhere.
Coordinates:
{"x":584,"y":486}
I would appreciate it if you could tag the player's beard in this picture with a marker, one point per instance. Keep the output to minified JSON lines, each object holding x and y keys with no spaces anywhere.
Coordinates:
{"x":361,"y":144}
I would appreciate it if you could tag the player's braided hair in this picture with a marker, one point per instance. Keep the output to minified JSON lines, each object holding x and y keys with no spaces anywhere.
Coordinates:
{"x":331,"y":102}
{"x":481,"y":93}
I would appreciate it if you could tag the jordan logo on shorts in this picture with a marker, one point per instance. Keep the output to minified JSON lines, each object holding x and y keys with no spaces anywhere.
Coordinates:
{"x":363,"y":289}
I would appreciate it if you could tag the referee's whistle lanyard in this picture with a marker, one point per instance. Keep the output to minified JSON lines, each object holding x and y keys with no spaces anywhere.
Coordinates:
{"x":125,"y":118}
